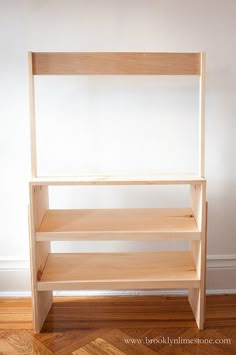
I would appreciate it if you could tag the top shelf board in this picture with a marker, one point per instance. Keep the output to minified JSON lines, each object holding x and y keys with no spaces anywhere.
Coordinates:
{"x":120,"y":180}
{"x":115,"y":63}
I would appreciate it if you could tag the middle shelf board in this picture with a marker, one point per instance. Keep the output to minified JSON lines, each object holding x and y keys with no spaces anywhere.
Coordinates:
{"x":118,"y":224}
{"x":141,"y":270}
{"x":152,"y":179}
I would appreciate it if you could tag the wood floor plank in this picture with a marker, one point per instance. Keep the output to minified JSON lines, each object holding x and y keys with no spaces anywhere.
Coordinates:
{"x":21,"y":342}
{"x":80,"y":340}
{"x":102,"y":325}
{"x":15,"y":313}
{"x":98,"y":347}
{"x":119,"y":317}
{"x":70,"y":325}
{"x":200,"y":347}
{"x":7,"y":348}
{"x":118,"y":338}
{"x":122,"y":300}
{"x":103,"y":314}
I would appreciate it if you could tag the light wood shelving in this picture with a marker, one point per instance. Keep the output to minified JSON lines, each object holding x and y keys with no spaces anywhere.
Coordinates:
{"x":119,"y":271}
{"x":157,"y":179}
{"x":128,"y":270}
{"x":118,"y":224}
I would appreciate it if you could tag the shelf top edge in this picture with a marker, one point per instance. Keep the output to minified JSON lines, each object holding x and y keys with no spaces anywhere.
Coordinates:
{"x":118,"y":180}
{"x":115,"y":63}
{"x":116,"y":52}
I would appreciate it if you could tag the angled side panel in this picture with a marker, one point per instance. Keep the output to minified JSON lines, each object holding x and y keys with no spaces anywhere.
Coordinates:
{"x":197,"y":296}
{"x":41,"y":300}
{"x":202,"y":294}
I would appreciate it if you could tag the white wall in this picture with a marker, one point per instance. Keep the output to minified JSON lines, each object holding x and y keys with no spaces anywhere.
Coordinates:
{"x":116,"y":25}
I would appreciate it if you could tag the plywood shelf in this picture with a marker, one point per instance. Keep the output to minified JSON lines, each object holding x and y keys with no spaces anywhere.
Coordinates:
{"x":118,"y":224}
{"x":100,"y":271}
{"x":154,"y":179}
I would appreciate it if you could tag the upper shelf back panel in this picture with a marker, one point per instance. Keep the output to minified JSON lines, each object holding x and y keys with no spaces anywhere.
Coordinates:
{"x":92,"y":63}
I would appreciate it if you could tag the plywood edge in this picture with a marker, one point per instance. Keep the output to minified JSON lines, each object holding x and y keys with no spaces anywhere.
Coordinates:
{"x":161,"y":179}
{"x":116,"y":236}
{"x":116,"y":285}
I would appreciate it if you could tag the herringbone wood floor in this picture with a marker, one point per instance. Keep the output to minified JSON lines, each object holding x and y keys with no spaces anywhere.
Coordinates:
{"x":118,"y":325}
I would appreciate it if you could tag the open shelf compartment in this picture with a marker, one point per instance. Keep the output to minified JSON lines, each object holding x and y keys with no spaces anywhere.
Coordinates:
{"x":101,"y":271}
{"x":116,"y":223}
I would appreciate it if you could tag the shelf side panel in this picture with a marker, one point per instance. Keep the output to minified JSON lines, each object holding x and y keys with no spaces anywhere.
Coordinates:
{"x":41,"y":301}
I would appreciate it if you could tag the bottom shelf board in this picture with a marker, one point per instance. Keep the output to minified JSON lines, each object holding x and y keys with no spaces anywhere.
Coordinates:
{"x":118,"y":271}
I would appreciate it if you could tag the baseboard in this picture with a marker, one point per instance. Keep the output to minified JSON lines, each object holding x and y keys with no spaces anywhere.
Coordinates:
{"x":10,"y":264}
{"x":227,"y":261}
{"x":15,"y":279}
{"x":167,"y":292}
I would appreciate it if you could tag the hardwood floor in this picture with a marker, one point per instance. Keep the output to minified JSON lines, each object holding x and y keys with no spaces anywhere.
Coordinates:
{"x":119,"y":325}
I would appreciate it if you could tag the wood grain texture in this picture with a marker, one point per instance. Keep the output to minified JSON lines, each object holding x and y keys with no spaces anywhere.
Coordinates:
{"x":63,"y":334}
{"x":118,"y":271}
{"x":118,"y":224}
{"x":92,"y":63}
{"x":16,"y":313}
{"x":21,"y":342}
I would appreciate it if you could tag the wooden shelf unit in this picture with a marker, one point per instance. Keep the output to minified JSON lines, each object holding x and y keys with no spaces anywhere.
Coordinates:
{"x":128,"y":270}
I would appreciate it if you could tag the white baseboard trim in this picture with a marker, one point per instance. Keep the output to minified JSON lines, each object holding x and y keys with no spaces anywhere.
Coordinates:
{"x":227,"y":261}
{"x":10,"y":264}
{"x":16,"y":294}
{"x":15,"y":279}
{"x":27,"y":294}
